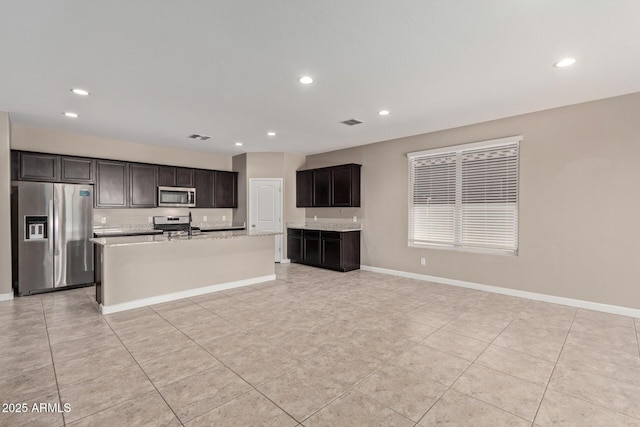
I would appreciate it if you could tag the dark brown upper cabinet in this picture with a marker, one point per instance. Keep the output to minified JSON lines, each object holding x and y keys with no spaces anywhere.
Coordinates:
{"x":345,"y":185}
{"x":167,"y":176}
{"x":39,"y":167}
{"x":142,"y":185}
{"x":184,"y":177}
{"x":204,"y":183}
{"x":172,"y":176}
{"x":122,"y":184}
{"x":112,"y":182}
{"x":226,"y":189}
{"x":304,"y":189}
{"x":321,"y":188}
{"x":336,"y":186}
{"x":53,"y":167}
{"x":77,"y":169}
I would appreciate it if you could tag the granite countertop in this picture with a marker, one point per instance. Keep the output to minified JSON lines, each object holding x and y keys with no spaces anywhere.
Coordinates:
{"x":150,"y":239}
{"x":327,"y":226}
{"x":208,"y":228}
{"x":102,"y":231}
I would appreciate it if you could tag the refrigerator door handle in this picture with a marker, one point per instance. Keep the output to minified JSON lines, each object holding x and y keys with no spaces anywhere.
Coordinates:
{"x":50,"y":234}
{"x":59,"y":255}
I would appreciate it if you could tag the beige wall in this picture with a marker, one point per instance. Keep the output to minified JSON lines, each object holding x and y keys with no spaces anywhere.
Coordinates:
{"x":292,"y":162}
{"x":239,"y":164}
{"x":5,"y":203}
{"x":579,"y":229}
{"x":270,"y":165}
{"x":59,"y":142}
{"x":53,"y":141}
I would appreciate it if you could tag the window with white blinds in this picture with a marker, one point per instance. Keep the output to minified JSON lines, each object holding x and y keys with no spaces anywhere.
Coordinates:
{"x":466,"y":196}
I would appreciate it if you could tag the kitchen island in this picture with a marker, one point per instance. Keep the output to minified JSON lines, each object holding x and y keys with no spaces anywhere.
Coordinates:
{"x":137,"y":271}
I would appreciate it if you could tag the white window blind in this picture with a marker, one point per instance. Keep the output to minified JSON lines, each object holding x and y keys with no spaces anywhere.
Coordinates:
{"x":465,"y":196}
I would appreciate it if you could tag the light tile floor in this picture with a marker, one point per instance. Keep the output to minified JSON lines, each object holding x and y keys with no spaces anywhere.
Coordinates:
{"x":319,"y":348}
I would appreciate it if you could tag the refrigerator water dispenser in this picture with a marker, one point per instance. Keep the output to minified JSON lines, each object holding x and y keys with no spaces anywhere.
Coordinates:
{"x":35,"y":227}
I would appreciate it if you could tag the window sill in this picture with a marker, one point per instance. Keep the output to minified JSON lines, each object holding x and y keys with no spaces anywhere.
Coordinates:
{"x":502,"y":252}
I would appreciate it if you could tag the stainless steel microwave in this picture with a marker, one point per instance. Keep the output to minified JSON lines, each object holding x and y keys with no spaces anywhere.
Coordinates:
{"x":176,"y":197}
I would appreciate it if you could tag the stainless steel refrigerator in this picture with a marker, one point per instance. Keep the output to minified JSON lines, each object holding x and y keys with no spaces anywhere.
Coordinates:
{"x":52,"y":224}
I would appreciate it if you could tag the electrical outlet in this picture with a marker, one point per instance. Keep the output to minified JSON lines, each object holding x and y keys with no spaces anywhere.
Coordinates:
{"x":103,"y":220}
{"x":204,"y":218}
{"x":355,"y":218}
{"x":224,"y":217}
{"x":149,"y":219}
{"x":423,"y":261}
{"x":315,"y":217}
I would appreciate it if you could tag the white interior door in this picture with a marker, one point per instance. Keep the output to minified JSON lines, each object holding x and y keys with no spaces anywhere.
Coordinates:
{"x":265,"y":208}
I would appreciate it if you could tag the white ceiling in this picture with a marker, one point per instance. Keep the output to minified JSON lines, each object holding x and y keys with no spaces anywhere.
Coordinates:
{"x":159,"y":70}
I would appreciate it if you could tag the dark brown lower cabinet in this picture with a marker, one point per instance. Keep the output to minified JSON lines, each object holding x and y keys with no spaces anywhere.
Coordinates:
{"x":294,"y":245}
{"x":311,"y":247}
{"x":331,"y":252}
{"x":334,"y":250}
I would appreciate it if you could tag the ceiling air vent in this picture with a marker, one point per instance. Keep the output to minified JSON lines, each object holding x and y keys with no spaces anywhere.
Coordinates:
{"x":200,"y":137}
{"x":351,"y":122}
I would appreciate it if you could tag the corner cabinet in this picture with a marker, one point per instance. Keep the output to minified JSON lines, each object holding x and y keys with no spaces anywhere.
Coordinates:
{"x":226,"y":190}
{"x":333,"y":250}
{"x":336,"y":186}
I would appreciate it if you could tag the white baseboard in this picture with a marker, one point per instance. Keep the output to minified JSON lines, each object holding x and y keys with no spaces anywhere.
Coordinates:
{"x":114,"y":308}
{"x":285,"y":261}
{"x":6,"y":297}
{"x":606,"y":308}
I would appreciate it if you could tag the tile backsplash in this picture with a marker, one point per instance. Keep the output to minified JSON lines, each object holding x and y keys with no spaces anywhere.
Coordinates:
{"x":129,"y":217}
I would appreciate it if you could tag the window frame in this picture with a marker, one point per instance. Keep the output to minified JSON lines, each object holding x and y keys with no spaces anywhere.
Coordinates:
{"x":457,"y":150}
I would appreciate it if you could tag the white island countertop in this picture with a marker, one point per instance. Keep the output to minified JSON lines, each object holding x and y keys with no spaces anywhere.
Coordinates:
{"x":152,"y":239}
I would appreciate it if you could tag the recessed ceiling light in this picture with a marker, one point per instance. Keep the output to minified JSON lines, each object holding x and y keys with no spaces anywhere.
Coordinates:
{"x":72,"y":115}
{"x":305,"y":80}
{"x":81,"y":92}
{"x":564,"y":62}
{"x":383,"y":112}
{"x":271,"y":133}
{"x":238,"y":144}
